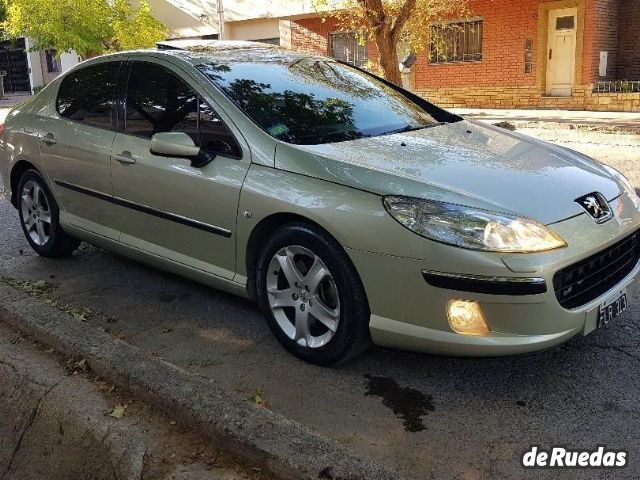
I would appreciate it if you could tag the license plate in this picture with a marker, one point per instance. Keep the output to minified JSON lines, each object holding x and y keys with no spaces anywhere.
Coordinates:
{"x":611,"y":309}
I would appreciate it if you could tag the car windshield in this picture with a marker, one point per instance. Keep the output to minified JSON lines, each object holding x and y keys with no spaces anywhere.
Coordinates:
{"x":311,"y":101}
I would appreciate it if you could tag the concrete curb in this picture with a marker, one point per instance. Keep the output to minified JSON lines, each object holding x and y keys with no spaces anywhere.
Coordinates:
{"x":257,"y":435}
{"x":551,"y":125}
{"x":45,"y":410}
{"x":596,"y":128}
{"x":54,"y":426}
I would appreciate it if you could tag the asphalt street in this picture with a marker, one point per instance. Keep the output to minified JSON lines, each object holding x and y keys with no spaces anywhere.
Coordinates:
{"x":426,"y":416}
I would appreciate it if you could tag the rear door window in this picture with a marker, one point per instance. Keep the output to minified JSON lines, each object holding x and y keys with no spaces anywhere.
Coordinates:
{"x":88,"y":95}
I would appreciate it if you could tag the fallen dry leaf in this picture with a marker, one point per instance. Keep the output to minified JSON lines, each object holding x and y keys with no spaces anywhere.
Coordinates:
{"x":259,"y":398}
{"x":117,"y":411}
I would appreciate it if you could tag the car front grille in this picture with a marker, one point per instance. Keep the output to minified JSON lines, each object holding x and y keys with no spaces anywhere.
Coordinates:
{"x":578,"y":284}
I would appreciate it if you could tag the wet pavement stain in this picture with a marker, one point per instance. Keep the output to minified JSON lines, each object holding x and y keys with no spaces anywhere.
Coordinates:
{"x":406,"y":403}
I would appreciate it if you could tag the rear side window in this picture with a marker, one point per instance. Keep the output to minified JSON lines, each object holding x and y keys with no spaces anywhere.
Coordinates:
{"x":159,"y":101}
{"x":88,"y":95}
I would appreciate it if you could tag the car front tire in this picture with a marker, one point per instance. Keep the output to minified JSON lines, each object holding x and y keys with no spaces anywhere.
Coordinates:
{"x":40,"y":218}
{"x":312,"y":296}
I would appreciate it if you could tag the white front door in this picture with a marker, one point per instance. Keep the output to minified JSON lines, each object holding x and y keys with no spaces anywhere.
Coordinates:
{"x":561,"y":52}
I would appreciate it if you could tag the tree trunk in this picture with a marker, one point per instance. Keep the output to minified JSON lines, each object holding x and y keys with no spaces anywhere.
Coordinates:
{"x":388,"y":56}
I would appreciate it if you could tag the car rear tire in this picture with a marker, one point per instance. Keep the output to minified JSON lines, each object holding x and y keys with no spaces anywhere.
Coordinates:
{"x":40,"y":218}
{"x":312,"y":296}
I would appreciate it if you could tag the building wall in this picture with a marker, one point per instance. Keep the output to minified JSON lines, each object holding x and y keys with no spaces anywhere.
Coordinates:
{"x":499,"y":80}
{"x":186,"y":19}
{"x":506,"y":26}
{"x":69,"y":60}
{"x":258,"y":29}
{"x":582,"y":98}
{"x":312,"y":35}
{"x":629,"y":40}
{"x":239,"y":10}
{"x":33,"y":62}
{"x":605,"y":37}
{"x":47,"y":77}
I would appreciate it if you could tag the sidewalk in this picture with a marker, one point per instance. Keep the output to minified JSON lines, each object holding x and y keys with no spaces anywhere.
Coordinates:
{"x":60,"y":422}
{"x":13,"y":98}
{"x":620,"y":120}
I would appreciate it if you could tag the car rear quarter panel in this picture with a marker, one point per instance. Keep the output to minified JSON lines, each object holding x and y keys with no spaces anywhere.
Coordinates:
{"x":21,"y":140}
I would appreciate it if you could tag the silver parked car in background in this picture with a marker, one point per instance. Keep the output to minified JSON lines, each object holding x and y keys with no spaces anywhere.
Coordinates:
{"x":351,"y":210}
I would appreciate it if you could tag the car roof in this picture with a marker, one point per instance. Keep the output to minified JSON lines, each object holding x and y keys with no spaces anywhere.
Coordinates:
{"x":240,"y":52}
{"x":198,"y":52}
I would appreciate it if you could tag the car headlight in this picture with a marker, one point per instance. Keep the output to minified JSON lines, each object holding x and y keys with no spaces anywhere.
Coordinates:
{"x":471,"y":227}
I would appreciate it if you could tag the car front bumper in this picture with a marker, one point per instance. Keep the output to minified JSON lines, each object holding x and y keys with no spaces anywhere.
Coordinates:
{"x":409,"y":313}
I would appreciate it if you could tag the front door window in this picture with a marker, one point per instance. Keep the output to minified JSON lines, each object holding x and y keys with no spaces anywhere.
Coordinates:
{"x":159,"y":101}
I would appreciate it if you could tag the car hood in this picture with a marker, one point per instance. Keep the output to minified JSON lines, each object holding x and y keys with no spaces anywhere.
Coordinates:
{"x":466,"y":162}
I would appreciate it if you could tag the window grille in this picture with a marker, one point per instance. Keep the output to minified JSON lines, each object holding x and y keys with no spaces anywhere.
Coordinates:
{"x":345,"y":47}
{"x":456,"y":42}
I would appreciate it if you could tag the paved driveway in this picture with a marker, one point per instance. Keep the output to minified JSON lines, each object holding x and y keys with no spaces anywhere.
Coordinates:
{"x":427,"y":416}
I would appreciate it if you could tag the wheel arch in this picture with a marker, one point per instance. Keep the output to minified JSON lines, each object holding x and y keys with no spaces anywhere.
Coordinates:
{"x":261,"y":231}
{"x":17,"y":171}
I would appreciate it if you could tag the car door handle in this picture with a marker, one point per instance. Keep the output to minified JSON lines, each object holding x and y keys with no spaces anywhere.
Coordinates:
{"x":49,"y":139}
{"x":125,"y":158}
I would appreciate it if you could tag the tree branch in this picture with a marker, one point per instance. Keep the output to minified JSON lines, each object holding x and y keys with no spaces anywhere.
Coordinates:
{"x":402,"y":18}
{"x":374,"y":11}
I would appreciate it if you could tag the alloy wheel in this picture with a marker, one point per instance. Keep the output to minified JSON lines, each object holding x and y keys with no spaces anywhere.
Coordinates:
{"x":36,"y":213}
{"x":303,"y":296}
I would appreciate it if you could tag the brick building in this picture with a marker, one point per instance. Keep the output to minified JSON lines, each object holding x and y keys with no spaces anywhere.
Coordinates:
{"x":570,"y":54}
{"x":573,"y":54}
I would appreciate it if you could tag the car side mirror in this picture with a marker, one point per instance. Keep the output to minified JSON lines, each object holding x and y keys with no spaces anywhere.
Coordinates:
{"x":180,"y":145}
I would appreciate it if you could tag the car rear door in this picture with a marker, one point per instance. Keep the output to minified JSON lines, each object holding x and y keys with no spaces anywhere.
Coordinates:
{"x":166,"y":206}
{"x":75,"y":145}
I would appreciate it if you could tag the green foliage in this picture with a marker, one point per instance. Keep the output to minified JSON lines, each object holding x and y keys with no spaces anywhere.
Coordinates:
{"x":136,"y":28}
{"x":90,"y":27}
{"x":61,"y":24}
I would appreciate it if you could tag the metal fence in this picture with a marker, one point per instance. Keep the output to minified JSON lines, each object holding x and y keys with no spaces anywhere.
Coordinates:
{"x":617,"y":86}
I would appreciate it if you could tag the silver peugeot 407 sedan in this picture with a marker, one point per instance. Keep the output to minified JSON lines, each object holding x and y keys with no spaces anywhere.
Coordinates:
{"x":352,"y":211}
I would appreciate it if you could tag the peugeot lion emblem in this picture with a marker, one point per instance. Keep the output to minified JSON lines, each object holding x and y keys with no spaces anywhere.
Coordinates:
{"x":596,"y":206}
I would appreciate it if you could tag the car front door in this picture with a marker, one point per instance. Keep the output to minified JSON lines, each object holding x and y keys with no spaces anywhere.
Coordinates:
{"x":167,"y":206}
{"x":76,"y":137}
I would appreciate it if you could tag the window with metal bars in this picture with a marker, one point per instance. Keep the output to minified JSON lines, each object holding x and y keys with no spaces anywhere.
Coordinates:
{"x":456,"y":42}
{"x":346,"y":48}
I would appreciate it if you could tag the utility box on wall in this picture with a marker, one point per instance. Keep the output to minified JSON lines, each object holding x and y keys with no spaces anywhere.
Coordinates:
{"x":604,"y":59}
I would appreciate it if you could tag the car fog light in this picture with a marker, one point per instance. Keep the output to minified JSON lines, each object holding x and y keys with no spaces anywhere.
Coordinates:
{"x":466,"y":318}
